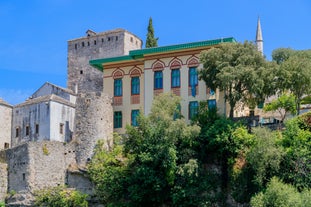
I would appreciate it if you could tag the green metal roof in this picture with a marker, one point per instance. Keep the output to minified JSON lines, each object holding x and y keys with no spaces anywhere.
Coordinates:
{"x":136,"y":54}
{"x":180,"y":46}
{"x":98,"y":63}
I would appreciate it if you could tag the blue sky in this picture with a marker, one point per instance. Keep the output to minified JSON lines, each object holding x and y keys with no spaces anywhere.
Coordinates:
{"x":34,"y":33}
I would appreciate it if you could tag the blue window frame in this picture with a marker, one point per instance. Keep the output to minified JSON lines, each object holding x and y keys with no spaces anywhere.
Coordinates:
{"x":134,"y":115}
{"x":175,"y":78}
{"x":211,"y":104}
{"x":193,"y":76}
{"x":193,"y":80}
{"x":158,"y":80}
{"x":118,"y":87}
{"x":135,"y":85}
{"x":193,"y":109}
{"x":117,"y":119}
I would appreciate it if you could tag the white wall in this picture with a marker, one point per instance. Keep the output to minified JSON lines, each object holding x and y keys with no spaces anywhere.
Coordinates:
{"x":30,"y":115}
{"x":5,"y":125}
{"x":61,"y":114}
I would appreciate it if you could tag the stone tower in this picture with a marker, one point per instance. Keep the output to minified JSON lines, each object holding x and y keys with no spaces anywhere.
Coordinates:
{"x":81,"y":76}
{"x":93,"y":122}
{"x":259,"y":39}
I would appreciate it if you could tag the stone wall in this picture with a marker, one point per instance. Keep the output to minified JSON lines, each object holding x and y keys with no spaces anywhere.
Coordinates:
{"x":81,"y":77}
{"x":3,"y":176}
{"x":36,"y":165}
{"x":93,"y":122}
{"x":5,"y":125}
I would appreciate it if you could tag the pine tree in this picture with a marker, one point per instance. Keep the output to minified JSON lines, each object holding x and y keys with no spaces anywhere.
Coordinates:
{"x":151,"y":40}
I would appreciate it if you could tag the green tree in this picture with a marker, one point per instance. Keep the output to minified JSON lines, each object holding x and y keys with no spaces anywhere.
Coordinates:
{"x":235,"y":68}
{"x":60,"y":196}
{"x":156,"y":165}
{"x":151,"y":40}
{"x":294,"y":73}
{"x":108,"y":171}
{"x":2,"y":204}
{"x":284,"y":104}
{"x":221,"y":143}
{"x":265,"y":156}
{"x":279,"y":194}
{"x":296,"y":167}
{"x":160,"y":146}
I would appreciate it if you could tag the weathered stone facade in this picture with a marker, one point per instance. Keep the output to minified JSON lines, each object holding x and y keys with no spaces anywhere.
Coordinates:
{"x":48,"y":117}
{"x":81,"y":76}
{"x":41,"y":155}
{"x":3,"y":176}
{"x":36,"y":165}
{"x":93,"y":122}
{"x":5,"y":124}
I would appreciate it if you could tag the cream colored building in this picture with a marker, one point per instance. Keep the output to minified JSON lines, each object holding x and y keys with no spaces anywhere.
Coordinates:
{"x":134,"y":80}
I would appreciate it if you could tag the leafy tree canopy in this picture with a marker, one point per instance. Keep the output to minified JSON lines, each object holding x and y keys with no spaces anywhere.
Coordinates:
{"x":279,"y":194}
{"x":294,"y":73}
{"x":237,"y":69}
{"x":284,"y":104}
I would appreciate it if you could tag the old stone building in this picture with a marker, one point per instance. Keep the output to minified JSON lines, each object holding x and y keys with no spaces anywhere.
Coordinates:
{"x":5,"y":124}
{"x":53,"y":134}
{"x":47,"y":115}
{"x":80,"y":75}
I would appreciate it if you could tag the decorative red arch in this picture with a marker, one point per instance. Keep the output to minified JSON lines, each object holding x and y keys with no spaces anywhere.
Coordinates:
{"x":118,"y":73}
{"x":158,"y":65}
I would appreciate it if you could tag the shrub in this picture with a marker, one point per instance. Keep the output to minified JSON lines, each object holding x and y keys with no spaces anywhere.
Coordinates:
{"x":279,"y":194}
{"x":60,"y":196}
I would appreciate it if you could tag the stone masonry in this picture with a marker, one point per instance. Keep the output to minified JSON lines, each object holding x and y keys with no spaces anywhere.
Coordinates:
{"x":93,"y":122}
{"x":36,"y":165}
{"x":81,"y":77}
{"x":3,"y":176}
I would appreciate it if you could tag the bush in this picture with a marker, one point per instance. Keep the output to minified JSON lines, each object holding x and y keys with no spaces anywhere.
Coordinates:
{"x":279,"y":194}
{"x":60,"y":196}
{"x":2,"y":204}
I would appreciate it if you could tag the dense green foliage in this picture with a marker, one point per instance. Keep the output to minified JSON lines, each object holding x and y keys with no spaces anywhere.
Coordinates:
{"x":284,"y":104}
{"x":294,"y":73}
{"x":2,"y":204}
{"x":60,"y":196}
{"x":239,"y":70}
{"x":164,"y":161}
{"x":279,"y":194}
{"x":215,"y":161}
{"x":151,"y":40}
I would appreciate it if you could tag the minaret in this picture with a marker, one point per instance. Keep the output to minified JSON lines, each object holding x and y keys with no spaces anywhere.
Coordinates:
{"x":259,"y":40}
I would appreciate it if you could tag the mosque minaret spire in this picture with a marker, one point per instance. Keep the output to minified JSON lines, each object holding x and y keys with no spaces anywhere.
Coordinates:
{"x":259,"y":39}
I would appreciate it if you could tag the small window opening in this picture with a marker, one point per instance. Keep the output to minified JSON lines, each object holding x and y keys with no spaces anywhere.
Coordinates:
{"x":17,"y":132}
{"x":131,"y":39}
{"x":102,"y":39}
{"x":6,"y":145}
{"x":61,"y":128}
{"x":116,"y":38}
{"x":94,"y":42}
{"x":76,"y":46}
{"x":24,"y":176}
{"x":108,"y":38}
{"x":27,"y":130}
{"x":88,"y":43}
{"x":37,"y":128}
{"x":81,"y":72}
{"x":82,"y":44}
